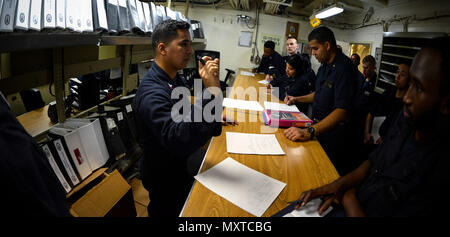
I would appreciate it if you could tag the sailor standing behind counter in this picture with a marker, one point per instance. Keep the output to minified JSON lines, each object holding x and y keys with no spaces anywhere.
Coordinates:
{"x":168,"y":144}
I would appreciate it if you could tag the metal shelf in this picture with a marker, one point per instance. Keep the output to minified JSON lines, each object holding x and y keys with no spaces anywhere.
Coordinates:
{"x":386,"y":81}
{"x":398,"y":55}
{"x":30,"y":41}
{"x":401,"y":46}
{"x":389,"y":63}
{"x":427,"y":35}
{"x":387,"y":72}
{"x":198,"y":40}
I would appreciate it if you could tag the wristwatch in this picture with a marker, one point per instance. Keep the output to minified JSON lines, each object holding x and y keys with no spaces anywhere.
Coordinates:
{"x":311,"y":131}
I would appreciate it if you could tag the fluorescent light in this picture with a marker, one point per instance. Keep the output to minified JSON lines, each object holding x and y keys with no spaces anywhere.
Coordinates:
{"x":329,"y":11}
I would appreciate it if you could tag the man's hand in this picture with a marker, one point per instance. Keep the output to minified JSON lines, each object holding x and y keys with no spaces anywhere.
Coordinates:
{"x":297,"y":134}
{"x":228,"y":121}
{"x":330,"y":192}
{"x":268,"y":78}
{"x":290,"y":100}
{"x":379,"y":141}
{"x":269,"y":88}
{"x":209,"y":72}
{"x":368,"y":138}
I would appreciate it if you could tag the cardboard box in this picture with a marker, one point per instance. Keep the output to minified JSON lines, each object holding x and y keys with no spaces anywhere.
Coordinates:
{"x":108,"y":195}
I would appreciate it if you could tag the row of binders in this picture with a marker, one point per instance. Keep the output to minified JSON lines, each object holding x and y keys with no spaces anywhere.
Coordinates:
{"x":79,"y":146}
{"x":113,"y":16}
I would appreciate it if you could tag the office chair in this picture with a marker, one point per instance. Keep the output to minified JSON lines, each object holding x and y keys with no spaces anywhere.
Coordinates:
{"x":213,"y":55}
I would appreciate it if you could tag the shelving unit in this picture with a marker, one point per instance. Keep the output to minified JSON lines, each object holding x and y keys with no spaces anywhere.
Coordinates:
{"x":130,"y":49}
{"x":397,"y":48}
{"x":41,"y":58}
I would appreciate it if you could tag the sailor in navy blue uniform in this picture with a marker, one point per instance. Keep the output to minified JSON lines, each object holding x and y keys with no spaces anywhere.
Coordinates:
{"x":408,"y":174}
{"x":296,"y":82}
{"x":272,"y":63}
{"x":332,"y":102}
{"x":30,"y":186}
{"x":168,"y":140}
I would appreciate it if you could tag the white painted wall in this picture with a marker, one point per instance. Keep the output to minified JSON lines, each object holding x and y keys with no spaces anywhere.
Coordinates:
{"x":222,"y":31}
{"x":401,"y":8}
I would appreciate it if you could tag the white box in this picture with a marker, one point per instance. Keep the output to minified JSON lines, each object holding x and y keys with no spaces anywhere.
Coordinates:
{"x":61,"y":14}
{"x":35,"y":15}
{"x":22,"y":15}
{"x":8,"y":15}
{"x":49,"y":14}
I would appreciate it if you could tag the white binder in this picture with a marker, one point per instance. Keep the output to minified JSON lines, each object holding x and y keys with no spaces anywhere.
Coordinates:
{"x":99,"y":15}
{"x":141,"y":15}
{"x":134,"y":17}
{"x":86,"y":11}
{"x":55,"y":168}
{"x":49,"y":14}
{"x":112,"y":16}
{"x":60,"y":14}
{"x":181,"y":17}
{"x":70,"y":14}
{"x":8,"y":15}
{"x":161,"y":13}
{"x":148,"y":16}
{"x":154,"y":14}
{"x":65,"y":160}
{"x":171,"y":14}
{"x":22,"y":15}
{"x":124,"y":16}
{"x":75,"y":146}
{"x":92,"y":140}
{"x":79,"y":16}
{"x":35,"y":15}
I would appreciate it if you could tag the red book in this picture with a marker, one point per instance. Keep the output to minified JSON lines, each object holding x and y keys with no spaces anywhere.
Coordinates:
{"x":286,"y":119}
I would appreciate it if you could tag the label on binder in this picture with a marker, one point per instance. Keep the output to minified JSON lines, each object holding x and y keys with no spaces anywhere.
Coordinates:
{"x":78,"y":156}
{"x":55,"y":168}
{"x":65,"y":161}
{"x":129,"y":108}
{"x":119,"y":116}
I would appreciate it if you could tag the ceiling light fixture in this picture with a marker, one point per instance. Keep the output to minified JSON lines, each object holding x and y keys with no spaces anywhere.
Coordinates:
{"x":330,"y":11}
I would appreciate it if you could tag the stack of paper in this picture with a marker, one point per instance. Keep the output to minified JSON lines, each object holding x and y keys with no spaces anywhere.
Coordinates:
{"x":311,"y":209}
{"x":280,"y":107}
{"x":242,"y":104}
{"x":376,"y":124}
{"x":245,"y":73}
{"x":248,"y":143}
{"x":244,"y":187}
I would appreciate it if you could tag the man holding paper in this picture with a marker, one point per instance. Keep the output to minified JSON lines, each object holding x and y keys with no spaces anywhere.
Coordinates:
{"x":170,"y":136}
{"x":332,"y":102}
